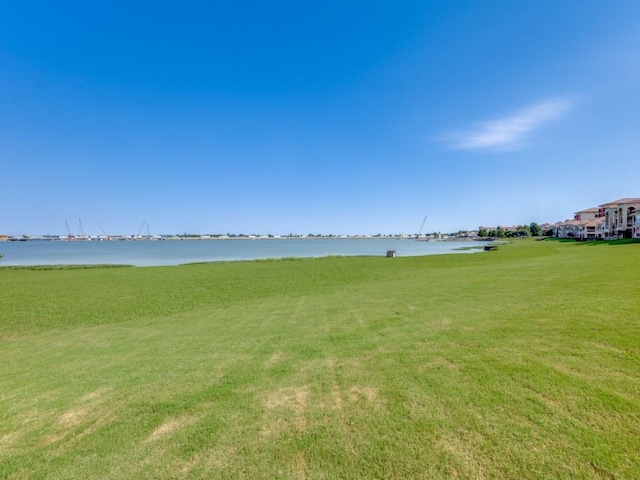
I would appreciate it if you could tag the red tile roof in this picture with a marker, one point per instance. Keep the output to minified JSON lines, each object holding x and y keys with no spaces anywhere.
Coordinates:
{"x":590,"y":210}
{"x":622,"y":201}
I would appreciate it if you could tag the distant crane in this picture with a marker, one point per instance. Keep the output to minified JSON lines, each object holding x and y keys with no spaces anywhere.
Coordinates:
{"x":81,"y":229}
{"x":68,"y":229}
{"x":105,"y":233}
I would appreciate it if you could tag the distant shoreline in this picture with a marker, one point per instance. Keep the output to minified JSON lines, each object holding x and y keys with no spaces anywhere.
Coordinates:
{"x":45,"y":238}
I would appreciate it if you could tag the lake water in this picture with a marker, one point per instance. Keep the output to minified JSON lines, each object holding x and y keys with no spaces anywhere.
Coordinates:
{"x":176,"y":252}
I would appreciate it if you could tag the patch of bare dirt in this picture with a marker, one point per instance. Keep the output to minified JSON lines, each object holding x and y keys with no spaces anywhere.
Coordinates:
{"x":468,"y":466}
{"x":7,"y":440}
{"x":275,"y":358}
{"x":367,"y":393}
{"x":299,"y":465}
{"x":169,"y":426}
{"x":72,"y":417}
{"x":288,"y":409}
{"x":96,"y":394}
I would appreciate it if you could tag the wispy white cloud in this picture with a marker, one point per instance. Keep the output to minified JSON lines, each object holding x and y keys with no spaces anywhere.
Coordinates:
{"x":509,"y":132}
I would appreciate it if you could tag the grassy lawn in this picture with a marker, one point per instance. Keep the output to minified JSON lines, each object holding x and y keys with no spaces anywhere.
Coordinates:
{"x":518,"y":363}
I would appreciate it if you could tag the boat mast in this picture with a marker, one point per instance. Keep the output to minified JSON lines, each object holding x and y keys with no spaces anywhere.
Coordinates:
{"x":422,"y":226}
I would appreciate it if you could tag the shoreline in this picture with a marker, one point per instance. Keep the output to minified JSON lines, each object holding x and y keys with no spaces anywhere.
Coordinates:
{"x":173,"y":238}
{"x":150,"y":253}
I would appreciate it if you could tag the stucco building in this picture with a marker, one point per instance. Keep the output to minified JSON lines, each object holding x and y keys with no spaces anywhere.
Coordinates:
{"x":621,"y":218}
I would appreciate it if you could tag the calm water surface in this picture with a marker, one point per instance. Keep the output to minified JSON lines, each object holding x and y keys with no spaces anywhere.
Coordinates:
{"x":176,"y":252}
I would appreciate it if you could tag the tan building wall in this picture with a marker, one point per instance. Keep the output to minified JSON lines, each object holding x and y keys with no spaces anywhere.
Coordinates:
{"x":621,"y":217}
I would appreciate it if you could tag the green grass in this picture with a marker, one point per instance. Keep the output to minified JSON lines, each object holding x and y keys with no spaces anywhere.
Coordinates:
{"x":518,"y":363}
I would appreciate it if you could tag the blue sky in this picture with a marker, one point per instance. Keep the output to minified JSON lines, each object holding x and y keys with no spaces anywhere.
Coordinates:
{"x":314,"y":117}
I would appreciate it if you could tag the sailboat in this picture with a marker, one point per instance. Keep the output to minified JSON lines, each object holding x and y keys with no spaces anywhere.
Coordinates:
{"x":424,"y":221}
